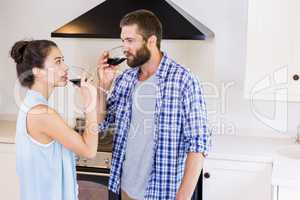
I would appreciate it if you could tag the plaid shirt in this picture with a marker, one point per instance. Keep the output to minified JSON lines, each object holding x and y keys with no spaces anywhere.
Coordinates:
{"x":180,"y":126}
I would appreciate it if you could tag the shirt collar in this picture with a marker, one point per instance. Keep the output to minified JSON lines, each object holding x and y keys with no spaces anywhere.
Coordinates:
{"x":163,"y":66}
{"x":161,"y":72}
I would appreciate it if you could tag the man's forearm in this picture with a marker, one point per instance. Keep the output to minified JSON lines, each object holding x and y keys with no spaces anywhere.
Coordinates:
{"x":192,"y":170}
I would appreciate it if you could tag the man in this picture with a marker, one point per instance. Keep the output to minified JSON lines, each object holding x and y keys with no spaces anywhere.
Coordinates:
{"x":159,"y":113}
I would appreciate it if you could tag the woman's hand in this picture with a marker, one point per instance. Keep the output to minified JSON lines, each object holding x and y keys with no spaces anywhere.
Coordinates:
{"x":88,"y":93}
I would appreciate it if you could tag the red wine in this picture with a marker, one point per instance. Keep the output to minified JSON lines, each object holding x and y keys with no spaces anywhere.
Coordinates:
{"x":76,"y":81}
{"x":115,"y":61}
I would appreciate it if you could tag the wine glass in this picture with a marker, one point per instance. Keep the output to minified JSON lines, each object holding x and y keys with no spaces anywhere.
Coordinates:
{"x":116,"y":55}
{"x":78,"y":103}
{"x":75,"y":73}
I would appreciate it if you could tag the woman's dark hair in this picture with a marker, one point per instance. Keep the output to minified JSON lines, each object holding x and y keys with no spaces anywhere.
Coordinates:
{"x":30,"y":54}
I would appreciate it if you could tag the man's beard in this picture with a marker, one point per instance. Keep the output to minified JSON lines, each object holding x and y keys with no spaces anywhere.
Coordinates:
{"x":141,"y":57}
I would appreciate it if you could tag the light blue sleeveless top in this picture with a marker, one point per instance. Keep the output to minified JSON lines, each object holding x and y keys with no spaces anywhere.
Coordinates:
{"x":45,"y":171}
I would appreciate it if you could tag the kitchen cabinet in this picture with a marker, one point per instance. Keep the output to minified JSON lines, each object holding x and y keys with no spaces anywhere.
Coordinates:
{"x":236,"y":180}
{"x":273,"y":50}
{"x":286,"y":193}
{"x":294,"y":67}
{"x":9,"y":187}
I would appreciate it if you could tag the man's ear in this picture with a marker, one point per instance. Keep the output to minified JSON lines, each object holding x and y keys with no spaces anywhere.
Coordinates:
{"x":152,"y":40}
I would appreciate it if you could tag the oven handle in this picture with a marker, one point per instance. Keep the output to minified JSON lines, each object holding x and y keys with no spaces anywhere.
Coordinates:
{"x":93,"y":173}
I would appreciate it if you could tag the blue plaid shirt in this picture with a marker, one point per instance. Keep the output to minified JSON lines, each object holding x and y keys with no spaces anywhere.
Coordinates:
{"x":180,"y":126}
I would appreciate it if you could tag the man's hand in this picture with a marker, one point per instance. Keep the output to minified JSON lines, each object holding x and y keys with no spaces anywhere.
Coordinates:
{"x":106,"y":73}
{"x":182,"y":196}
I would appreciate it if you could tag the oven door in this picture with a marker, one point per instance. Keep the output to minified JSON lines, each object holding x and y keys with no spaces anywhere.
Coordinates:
{"x":92,"y":183}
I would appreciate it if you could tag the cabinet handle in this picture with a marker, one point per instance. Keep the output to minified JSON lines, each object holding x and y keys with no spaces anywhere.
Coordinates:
{"x":206,"y":175}
{"x":296,"y":77}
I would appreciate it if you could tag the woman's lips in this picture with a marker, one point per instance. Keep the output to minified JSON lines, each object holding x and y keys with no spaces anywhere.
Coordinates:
{"x":65,"y":77}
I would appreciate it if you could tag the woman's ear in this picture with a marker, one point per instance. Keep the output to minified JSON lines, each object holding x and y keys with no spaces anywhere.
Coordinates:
{"x":35,"y":71}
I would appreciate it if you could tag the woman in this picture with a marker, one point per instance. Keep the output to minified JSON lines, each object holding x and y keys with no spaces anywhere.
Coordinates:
{"x":44,"y":142}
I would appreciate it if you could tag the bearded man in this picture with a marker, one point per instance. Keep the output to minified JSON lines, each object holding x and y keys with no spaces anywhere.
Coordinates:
{"x":159,"y":114}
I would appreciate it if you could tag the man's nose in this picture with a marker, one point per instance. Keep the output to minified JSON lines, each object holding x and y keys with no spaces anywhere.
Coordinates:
{"x":125,"y":47}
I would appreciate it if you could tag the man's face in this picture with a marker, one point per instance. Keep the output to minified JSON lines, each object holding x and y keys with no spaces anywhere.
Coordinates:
{"x":135,"y":47}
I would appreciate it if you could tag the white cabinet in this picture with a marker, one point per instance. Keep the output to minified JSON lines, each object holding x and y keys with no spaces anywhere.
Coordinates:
{"x":286,"y":193}
{"x":9,"y":187}
{"x":273,"y":50}
{"x":294,"y":68}
{"x":236,"y":180}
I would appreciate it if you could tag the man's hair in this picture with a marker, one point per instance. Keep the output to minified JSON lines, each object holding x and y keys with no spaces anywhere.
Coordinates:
{"x":147,"y":22}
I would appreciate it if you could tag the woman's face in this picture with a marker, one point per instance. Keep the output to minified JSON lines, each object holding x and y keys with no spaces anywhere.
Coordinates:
{"x":56,"y":72}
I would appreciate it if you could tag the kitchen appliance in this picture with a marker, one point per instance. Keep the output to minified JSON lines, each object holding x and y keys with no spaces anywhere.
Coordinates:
{"x":93,"y":174}
{"x":103,"y":21}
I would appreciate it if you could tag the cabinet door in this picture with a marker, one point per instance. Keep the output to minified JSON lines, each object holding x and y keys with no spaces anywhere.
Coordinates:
{"x":9,"y":187}
{"x":285,"y":193}
{"x":273,"y":50}
{"x":294,"y":67}
{"x":235,"y":180}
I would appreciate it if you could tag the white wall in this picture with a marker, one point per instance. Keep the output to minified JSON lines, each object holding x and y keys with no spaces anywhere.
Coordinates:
{"x":234,"y":114}
{"x":32,"y":19}
{"x":221,"y":61}
{"x":36,"y":19}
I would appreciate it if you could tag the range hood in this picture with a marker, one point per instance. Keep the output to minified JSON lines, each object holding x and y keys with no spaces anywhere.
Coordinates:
{"x":103,"y":21}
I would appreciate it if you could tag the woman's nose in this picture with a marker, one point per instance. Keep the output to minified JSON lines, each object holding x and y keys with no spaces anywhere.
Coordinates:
{"x":66,"y":67}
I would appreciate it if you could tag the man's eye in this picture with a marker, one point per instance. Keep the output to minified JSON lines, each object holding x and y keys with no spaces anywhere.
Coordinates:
{"x":128,"y":40}
{"x":58,"y":61}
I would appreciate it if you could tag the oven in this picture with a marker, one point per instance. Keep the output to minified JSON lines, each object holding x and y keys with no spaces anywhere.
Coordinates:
{"x":93,"y":174}
{"x":92,"y":183}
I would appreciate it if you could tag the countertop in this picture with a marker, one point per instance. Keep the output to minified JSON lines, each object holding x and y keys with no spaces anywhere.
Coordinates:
{"x":247,"y":148}
{"x":7,"y":131}
{"x":286,"y":172}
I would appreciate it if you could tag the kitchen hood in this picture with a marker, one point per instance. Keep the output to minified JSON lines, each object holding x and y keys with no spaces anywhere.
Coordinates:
{"x":103,"y":21}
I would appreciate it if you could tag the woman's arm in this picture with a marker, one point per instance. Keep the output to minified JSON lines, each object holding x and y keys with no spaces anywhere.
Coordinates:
{"x":43,"y":120}
{"x":45,"y":124}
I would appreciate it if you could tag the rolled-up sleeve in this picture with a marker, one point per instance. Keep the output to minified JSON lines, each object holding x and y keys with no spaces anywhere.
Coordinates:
{"x":196,"y":132}
{"x":110,"y":115}
{"x":110,"y":110}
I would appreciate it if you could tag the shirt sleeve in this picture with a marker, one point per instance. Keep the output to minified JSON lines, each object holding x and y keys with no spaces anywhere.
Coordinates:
{"x":110,"y":111}
{"x":196,"y":133}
